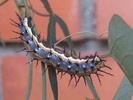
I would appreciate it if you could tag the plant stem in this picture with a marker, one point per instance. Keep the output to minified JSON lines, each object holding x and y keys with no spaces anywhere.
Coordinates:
{"x":30,"y":79}
{"x":3,"y":2}
{"x":43,"y":81}
{"x":77,"y":34}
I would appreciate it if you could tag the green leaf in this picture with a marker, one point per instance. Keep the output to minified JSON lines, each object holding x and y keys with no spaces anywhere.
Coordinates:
{"x":125,"y":90}
{"x":2,"y":42}
{"x":30,"y":79}
{"x":51,"y":37}
{"x":28,"y":12}
{"x":89,"y":99}
{"x":65,"y":30}
{"x":53,"y":81}
{"x":19,"y":8}
{"x":50,"y":41}
{"x":43,"y":81}
{"x":47,"y":6}
{"x":92,"y":88}
{"x":3,"y":2}
{"x":120,"y":45}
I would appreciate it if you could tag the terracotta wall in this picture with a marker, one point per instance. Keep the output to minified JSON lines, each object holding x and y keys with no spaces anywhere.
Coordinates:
{"x":14,"y":71}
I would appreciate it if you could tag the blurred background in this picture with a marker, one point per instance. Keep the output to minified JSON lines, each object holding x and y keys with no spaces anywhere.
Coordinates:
{"x":79,"y":15}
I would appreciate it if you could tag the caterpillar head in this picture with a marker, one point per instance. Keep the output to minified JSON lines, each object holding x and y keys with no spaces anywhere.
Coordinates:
{"x":98,"y":62}
{"x":97,"y":58}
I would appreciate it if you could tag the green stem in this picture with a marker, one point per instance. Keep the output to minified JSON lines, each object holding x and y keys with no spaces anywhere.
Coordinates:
{"x":92,"y":88}
{"x":28,"y":12}
{"x":77,"y":34}
{"x":2,"y":42}
{"x":19,"y":8}
{"x":3,"y":2}
{"x":30,"y":79}
{"x":43,"y":82}
{"x":43,"y":66}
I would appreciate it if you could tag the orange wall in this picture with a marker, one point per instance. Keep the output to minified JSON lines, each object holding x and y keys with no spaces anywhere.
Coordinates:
{"x":15,"y":71}
{"x":105,"y":9}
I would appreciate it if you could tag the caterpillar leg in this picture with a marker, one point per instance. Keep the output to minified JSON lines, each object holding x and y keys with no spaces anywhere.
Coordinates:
{"x":71,"y":79}
{"x":45,"y":70}
{"x":61,"y":75}
{"x":18,"y":16}
{"x":37,"y":62}
{"x":105,"y":72}
{"x":84,"y":80}
{"x":79,"y":79}
{"x":90,"y":79}
{"x":21,"y":50}
{"x":99,"y":79}
{"x":15,"y":22}
{"x":108,"y":67}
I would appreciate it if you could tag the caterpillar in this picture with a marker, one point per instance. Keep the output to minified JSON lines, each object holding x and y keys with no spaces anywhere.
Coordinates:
{"x":80,"y":67}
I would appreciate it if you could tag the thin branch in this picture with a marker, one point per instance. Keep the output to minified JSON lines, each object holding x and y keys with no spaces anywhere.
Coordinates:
{"x":46,"y":15}
{"x":66,"y":51}
{"x":3,"y":2}
{"x":79,"y":33}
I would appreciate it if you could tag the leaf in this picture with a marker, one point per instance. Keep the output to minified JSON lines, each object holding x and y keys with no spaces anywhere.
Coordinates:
{"x":50,"y":41}
{"x":43,"y":81}
{"x":2,"y":42}
{"x":30,"y":79}
{"x":65,"y":31}
{"x":19,"y":7}
{"x":121,"y":45}
{"x":47,"y":6}
{"x":29,"y":14}
{"x":90,"y":99}
{"x":3,"y":2}
{"x":92,"y":88}
{"x":53,"y":81}
{"x":125,"y":90}
{"x":51,"y":37}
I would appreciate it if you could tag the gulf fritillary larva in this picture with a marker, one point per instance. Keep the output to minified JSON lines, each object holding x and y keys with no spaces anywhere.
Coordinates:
{"x":74,"y":67}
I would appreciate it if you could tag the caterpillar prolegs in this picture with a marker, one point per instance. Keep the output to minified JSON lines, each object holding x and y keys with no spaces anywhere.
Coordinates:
{"x":74,"y":67}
